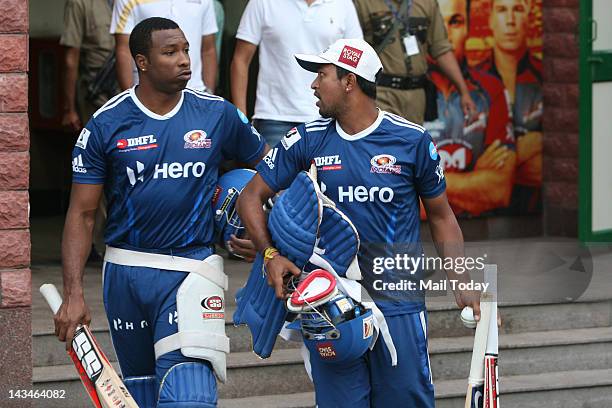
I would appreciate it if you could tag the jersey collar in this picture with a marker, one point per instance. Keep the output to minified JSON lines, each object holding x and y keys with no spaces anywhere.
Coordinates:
{"x":152,"y":114}
{"x":364,"y":132}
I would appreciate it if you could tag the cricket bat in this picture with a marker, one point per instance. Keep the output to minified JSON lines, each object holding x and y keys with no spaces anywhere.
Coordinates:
{"x":101,"y":382}
{"x":491,"y":373}
{"x":476,"y":381}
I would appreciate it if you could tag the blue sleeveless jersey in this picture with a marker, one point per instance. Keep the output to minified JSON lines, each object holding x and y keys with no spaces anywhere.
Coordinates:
{"x":160,"y":172}
{"x":376,"y":178}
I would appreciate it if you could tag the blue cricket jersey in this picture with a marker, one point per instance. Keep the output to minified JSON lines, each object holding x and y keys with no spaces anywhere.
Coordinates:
{"x":160,"y":172}
{"x":376,"y":178}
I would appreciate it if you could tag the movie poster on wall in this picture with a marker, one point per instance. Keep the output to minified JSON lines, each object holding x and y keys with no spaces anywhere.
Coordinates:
{"x":492,"y":161}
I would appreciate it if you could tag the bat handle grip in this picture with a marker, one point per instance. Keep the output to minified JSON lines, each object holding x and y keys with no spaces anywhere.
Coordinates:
{"x":52,"y":296}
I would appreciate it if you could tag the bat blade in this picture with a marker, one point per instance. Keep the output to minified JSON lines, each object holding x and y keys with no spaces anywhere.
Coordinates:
{"x":102,"y":383}
{"x":475,"y":393}
{"x":491,"y":386}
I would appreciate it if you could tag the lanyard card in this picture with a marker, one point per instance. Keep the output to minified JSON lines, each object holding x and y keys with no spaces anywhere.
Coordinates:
{"x":411,"y":45}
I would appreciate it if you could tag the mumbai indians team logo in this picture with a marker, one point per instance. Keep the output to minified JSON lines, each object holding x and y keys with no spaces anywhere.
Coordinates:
{"x":385,"y":164}
{"x":197,"y":139}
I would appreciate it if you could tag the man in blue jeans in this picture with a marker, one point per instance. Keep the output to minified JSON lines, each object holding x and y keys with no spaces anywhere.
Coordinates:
{"x":280,"y":29}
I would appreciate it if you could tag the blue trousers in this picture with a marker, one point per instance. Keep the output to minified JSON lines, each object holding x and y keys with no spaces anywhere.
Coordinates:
{"x":140,"y":305}
{"x":371,"y":381}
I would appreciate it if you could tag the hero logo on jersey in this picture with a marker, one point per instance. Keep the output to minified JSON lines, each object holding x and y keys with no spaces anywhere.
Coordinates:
{"x":270,"y":157}
{"x":179,"y":170}
{"x":213,"y":307}
{"x":326,"y":350}
{"x":137,"y":143}
{"x":290,"y":138}
{"x":77,"y":165}
{"x":362,"y":194}
{"x":384,"y":164}
{"x":350,"y":56}
{"x":455,"y":157}
{"x":83,"y":139}
{"x":197,"y":139}
{"x":328,"y":162}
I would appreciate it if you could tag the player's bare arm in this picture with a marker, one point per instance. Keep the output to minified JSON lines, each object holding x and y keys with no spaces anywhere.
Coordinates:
{"x":76,"y":244}
{"x":243,"y":55}
{"x":245,"y":247}
{"x":250,"y":208}
{"x":448,"y":240}
{"x":448,"y":64}
{"x":209,"y":62}
{"x":124,"y":61}
{"x":490,"y":181}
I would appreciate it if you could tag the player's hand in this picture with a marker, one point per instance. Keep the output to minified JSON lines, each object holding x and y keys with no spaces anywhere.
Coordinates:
{"x":279,"y":271}
{"x":72,"y":312}
{"x":493,"y":157}
{"x":469,"y":108}
{"x":242,"y":247}
{"x":70,"y":120}
{"x":469,"y":298}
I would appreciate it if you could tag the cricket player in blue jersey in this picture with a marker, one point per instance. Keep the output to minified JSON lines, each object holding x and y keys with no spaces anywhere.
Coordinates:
{"x":375,"y":166}
{"x":155,"y":150}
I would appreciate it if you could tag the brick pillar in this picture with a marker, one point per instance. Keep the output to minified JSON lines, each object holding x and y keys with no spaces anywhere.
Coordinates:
{"x":561,"y":97}
{"x":15,"y":278}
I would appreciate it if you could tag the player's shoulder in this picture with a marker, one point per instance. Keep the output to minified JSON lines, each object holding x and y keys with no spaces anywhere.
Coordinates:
{"x":114,"y":108}
{"x":401,"y":127}
{"x":307,"y":133}
{"x":202,"y":97}
{"x":205,"y":101}
{"x":316,"y":127}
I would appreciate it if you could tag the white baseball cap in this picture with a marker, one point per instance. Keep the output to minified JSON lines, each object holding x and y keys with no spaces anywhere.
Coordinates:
{"x":354,"y":55}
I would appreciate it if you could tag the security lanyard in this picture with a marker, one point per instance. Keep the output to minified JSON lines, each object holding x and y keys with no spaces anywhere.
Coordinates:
{"x":396,"y":12}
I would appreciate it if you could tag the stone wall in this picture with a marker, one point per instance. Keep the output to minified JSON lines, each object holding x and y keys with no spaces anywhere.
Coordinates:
{"x":561,"y":98}
{"x":15,"y":277}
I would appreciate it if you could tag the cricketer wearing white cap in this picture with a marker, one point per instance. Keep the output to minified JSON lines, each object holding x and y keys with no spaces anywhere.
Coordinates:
{"x":375,"y":166}
{"x":354,"y":55}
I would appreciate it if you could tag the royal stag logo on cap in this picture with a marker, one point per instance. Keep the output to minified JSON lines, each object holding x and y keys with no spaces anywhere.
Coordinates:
{"x":350,"y":56}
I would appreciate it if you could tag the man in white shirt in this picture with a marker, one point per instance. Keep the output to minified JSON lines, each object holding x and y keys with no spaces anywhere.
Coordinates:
{"x":195,"y":17}
{"x":282,"y":28}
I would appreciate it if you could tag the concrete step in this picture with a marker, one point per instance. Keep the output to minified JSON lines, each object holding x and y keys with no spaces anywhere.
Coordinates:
{"x":535,"y":353}
{"x":443,"y":320}
{"x":247,"y":375}
{"x":566,"y":389}
{"x":527,"y":353}
{"x":563,"y":389}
